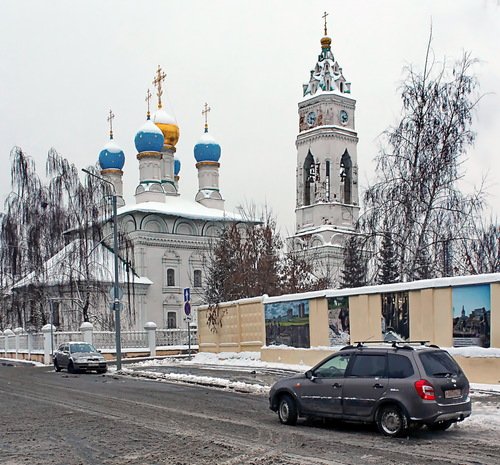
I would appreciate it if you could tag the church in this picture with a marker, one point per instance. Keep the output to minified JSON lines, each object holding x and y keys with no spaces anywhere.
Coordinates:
{"x":327,"y":203}
{"x":172,"y":235}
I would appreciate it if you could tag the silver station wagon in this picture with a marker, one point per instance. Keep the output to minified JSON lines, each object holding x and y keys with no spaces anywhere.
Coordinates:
{"x":79,"y":356}
{"x":395,"y":386}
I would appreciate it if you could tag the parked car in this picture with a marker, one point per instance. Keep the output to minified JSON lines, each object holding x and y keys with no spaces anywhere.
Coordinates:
{"x":395,"y":386}
{"x":76,"y":356}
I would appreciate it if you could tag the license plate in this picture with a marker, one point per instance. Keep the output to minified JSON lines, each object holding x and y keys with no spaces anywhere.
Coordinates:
{"x":92,"y":364}
{"x":452,"y":393}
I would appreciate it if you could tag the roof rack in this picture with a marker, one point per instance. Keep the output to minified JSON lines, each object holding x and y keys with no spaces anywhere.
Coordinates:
{"x":397,"y":344}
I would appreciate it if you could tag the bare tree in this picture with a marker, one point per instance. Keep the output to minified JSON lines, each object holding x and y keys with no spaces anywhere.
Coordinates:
{"x":415,"y":197}
{"x":479,"y":250}
{"x":248,"y":260}
{"x":60,"y":218}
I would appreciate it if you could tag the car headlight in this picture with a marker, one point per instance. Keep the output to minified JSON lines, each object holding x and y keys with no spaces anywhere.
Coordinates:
{"x":80,"y":360}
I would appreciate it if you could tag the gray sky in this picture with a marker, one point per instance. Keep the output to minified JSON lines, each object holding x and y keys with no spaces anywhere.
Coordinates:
{"x":64,"y":64}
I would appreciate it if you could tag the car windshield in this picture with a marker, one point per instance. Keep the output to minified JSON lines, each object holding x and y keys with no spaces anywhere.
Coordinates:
{"x":439,"y":363}
{"x":73,"y":348}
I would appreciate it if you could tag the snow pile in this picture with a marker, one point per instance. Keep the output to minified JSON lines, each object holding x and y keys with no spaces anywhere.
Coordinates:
{"x":200,"y":380}
{"x":474,"y":351}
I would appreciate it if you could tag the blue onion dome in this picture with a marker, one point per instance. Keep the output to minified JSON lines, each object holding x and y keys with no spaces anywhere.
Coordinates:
{"x":111,"y":156}
{"x":149,"y":138}
{"x":177,"y":166}
{"x":207,"y":149}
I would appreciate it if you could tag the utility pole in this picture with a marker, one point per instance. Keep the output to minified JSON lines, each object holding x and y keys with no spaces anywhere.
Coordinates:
{"x":116,"y":286}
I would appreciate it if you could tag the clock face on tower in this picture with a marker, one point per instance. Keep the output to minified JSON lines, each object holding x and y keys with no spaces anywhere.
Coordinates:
{"x":311,"y":118}
{"x":344,"y":117}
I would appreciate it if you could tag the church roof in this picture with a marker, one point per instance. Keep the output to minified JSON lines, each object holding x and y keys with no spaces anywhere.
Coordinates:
{"x":177,"y":206}
{"x":327,"y":75}
{"x":61,"y":268}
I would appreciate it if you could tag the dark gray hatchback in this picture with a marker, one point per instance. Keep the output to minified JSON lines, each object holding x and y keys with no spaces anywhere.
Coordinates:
{"x":395,"y":386}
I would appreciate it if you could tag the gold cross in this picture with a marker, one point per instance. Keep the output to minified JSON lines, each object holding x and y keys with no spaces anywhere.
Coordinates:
{"x":111,"y":117}
{"x":157,"y":82}
{"x":205,"y":113}
{"x":148,"y":99}
{"x":324,"y":17}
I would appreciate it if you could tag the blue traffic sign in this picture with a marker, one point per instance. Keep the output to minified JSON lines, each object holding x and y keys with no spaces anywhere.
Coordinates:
{"x":187,"y":294}
{"x":187,"y":308}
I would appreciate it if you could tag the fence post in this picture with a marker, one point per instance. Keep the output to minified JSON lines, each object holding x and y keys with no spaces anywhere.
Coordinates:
{"x":8,"y":333}
{"x":17,"y":333}
{"x":87,"y":330}
{"x":47,"y":330}
{"x":30,"y":343}
{"x":150,"y":328}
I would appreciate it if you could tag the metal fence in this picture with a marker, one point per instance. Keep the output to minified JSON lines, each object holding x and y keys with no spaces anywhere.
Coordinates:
{"x":102,"y":340}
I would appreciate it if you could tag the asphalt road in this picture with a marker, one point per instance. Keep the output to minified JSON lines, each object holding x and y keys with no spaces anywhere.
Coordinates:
{"x":56,"y":418}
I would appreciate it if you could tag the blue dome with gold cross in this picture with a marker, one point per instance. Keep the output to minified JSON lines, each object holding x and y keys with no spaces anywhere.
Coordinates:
{"x":149,"y":138}
{"x":207,"y":149}
{"x":111,"y":156}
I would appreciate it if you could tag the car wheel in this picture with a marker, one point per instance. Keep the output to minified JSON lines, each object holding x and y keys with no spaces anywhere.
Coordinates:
{"x":56,"y":366}
{"x":392,"y":421}
{"x":287,"y":410}
{"x":71,"y":367}
{"x":102,"y":370}
{"x":440,"y":425}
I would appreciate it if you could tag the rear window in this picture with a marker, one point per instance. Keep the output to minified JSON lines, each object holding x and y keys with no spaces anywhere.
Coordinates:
{"x":439,"y":364}
{"x":399,"y":366}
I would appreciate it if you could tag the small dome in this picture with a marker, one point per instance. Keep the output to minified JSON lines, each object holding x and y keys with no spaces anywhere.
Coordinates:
{"x":149,"y":138}
{"x":168,"y":126}
{"x":177,"y":166}
{"x":111,"y":156}
{"x":207,"y":149}
{"x":326,"y":42}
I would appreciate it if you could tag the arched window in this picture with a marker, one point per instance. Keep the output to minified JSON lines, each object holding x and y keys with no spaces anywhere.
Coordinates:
{"x":170,"y":277}
{"x":197,"y":278}
{"x":327,"y":180}
{"x":309,"y":178}
{"x":346,"y":176}
{"x":171,"y":320}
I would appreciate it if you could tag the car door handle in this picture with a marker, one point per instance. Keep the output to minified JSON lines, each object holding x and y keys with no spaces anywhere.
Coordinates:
{"x":336,"y":385}
{"x":378,"y":386}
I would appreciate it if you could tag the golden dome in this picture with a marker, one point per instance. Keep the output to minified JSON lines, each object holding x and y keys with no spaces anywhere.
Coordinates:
{"x":168,"y":126}
{"x":326,"y":42}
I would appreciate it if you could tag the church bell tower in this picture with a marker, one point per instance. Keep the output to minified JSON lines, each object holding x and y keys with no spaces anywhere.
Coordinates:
{"x":327,"y":204}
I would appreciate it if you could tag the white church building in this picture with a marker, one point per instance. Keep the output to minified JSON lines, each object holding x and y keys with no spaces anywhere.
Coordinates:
{"x":170,"y":234}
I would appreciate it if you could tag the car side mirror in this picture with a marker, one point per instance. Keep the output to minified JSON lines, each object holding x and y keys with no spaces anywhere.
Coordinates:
{"x":309,"y":375}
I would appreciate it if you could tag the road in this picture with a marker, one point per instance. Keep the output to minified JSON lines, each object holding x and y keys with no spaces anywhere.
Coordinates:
{"x":87,"y":419}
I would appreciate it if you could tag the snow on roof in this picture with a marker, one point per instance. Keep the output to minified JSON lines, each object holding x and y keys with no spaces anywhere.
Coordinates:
{"x":162,"y":117}
{"x":323,"y":228}
{"x":397,"y":287}
{"x":177,"y":206}
{"x":61,"y":268}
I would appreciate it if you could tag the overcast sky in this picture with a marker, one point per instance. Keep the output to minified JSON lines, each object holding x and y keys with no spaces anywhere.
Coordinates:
{"x":64,"y":64}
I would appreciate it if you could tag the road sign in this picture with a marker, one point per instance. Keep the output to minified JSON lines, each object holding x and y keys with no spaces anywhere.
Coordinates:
{"x":187,"y":308}
{"x":188,"y":317}
{"x":187,"y":294}
{"x":112,"y":292}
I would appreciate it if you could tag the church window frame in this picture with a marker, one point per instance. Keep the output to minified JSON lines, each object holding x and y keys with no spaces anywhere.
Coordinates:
{"x":171,"y":320}
{"x":197,"y":278}
{"x":346,"y":177}
{"x":170,"y":278}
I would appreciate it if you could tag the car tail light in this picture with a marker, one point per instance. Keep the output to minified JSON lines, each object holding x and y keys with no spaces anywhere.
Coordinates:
{"x":425,"y":389}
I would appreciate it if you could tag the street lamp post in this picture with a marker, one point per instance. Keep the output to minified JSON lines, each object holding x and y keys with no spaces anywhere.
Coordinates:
{"x":116,"y":287}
